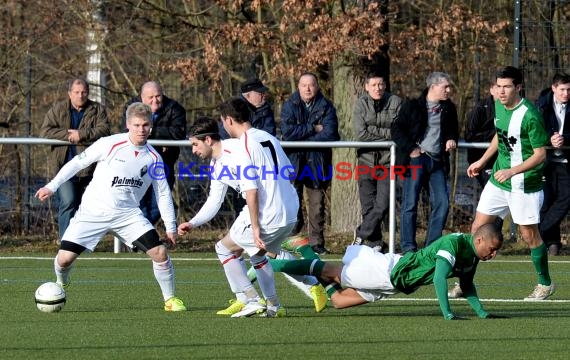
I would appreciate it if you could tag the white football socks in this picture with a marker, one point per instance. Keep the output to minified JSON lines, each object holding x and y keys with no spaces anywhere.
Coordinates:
{"x":61,"y":273}
{"x":236,"y":274}
{"x":164,"y":275}
{"x":266,"y":278}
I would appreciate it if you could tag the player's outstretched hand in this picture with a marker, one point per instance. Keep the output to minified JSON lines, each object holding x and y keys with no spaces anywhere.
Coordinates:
{"x":496,"y":316}
{"x":43,"y":193}
{"x":184,"y":228}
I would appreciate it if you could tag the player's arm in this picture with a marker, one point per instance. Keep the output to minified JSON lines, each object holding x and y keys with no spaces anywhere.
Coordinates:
{"x":92,"y":154}
{"x":163,"y":198}
{"x":209,"y":209}
{"x":470,"y":292}
{"x":348,"y":297}
{"x":442,"y":269}
{"x":473,"y":169}
{"x":537,"y":158}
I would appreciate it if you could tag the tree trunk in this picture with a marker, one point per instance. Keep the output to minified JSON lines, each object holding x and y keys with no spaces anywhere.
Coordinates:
{"x":345,"y":205}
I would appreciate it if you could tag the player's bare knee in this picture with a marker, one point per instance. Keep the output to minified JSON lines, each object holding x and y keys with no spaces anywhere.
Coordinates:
{"x":530,"y":235}
{"x":64,"y":259}
{"x":224,"y":254}
{"x":68,"y":252}
{"x":158,"y":253}
{"x":149,"y":243}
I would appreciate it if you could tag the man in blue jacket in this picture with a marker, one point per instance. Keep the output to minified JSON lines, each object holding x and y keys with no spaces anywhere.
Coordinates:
{"x":308,"y":116}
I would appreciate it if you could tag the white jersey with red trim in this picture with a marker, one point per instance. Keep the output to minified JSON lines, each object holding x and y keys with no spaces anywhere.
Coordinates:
{"x":255,"y":161}
{"x":265,"y":166}
{"x":223,"y":173}
{"x":123,"y":174}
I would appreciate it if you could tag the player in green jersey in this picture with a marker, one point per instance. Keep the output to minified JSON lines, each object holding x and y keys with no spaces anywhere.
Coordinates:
{"x":366,"y":275}
{"x":516,"y":182}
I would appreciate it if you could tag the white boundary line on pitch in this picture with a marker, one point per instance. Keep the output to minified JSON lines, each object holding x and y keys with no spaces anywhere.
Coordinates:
{"x":483,"y":300}
{"x":87,"y":257}
{"x":104,"y":258}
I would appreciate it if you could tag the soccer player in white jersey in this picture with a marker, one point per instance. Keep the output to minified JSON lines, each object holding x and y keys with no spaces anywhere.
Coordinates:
{"x":126,"y":167}
{"x":516,"y":182}
{"x":263,"y":176}
{"x":223,"y":170}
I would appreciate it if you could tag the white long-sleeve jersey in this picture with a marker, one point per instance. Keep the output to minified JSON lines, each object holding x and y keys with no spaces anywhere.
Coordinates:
{"x":255,"y":161}
{"x":123,"y":174}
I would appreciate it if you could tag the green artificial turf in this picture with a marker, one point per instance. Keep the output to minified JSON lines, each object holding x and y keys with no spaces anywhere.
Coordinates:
{"x":114,"y":311}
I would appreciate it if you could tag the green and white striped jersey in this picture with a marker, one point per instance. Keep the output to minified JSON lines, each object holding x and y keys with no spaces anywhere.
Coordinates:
{"x":519,"y":131}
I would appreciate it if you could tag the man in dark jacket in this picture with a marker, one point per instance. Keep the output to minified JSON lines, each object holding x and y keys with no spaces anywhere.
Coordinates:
{"x":480,"y":127}
{"x":374,"y":113}
{"x":262,"y":117}
{"x":308,"y":116}
{"x":553,"y":105}
{"x":425,"y":131}
{"x":168,"y":123}
{"x":77,"y":120}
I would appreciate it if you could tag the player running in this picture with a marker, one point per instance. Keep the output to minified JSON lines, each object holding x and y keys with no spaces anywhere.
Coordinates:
{"x":256,"y":166}
{"x":126,"y":167}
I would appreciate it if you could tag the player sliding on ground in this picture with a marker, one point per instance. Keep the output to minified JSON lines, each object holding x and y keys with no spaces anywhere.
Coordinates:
{"x":366,"y":275}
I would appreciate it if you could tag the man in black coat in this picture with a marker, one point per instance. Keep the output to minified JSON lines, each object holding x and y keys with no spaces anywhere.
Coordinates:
{"x":554,"y":107}
{"x":168,"y":123}
{"x":425,"y":132}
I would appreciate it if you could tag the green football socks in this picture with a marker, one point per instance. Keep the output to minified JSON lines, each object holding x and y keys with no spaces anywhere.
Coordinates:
{"x":539,"y":257}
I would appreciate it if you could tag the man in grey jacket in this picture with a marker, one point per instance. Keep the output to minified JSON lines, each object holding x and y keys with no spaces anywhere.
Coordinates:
{"x":374,"y":113}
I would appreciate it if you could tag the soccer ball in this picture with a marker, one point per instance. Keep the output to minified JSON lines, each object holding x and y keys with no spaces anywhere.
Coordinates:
{"x":50,"y":297}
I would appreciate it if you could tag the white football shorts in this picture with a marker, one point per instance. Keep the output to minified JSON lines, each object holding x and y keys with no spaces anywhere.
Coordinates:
{"x":87,"y":229}
{"x":242,"y":234}
{"x":368,"y":272}
{"x":524,"y":208}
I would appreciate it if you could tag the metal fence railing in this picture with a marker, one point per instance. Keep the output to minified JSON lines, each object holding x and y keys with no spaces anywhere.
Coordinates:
{"x":190,"y":193}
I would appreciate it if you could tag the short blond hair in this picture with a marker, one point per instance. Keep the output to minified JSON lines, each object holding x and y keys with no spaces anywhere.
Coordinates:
{"x":139,"y":110}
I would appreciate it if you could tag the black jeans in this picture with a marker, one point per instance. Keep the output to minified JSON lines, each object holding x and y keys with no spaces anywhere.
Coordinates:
{"x":375,"y":203}
{"x":556,"y":202}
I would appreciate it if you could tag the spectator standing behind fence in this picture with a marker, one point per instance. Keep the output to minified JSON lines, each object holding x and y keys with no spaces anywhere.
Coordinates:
{"x":374,"y":113}
{"x":168,"y":123}
{"x":262,"y":117}
{"x":308,"y":116}
{"x":516,"y":182}
{"x":480,"y":127}
{"x":553,"y":105}
{"x":425,"y":132}
{"x":77,"y":120}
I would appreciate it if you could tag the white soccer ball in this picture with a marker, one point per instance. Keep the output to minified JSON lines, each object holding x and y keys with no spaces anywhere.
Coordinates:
{"x":50,"y":297}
